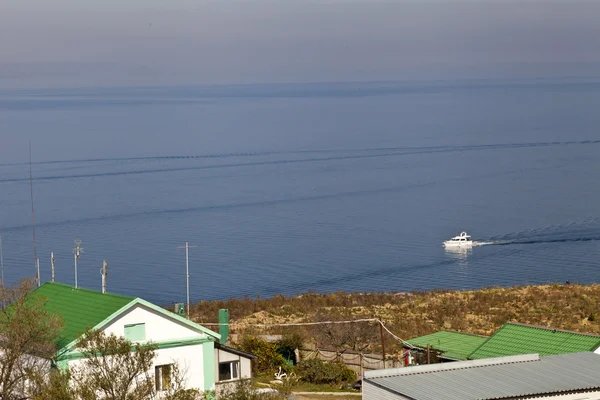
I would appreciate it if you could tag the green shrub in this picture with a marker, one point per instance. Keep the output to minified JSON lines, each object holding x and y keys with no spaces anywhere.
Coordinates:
{"x":268,"y":360}
{"x":242,"y":390}
{"x":288,"y":344}
{"x":324,"y":372}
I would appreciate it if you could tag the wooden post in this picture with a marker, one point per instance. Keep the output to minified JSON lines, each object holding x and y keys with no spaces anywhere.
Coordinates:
{"x":362,"y":370}
{"x":382,"y":343}
{"x":428,"y":357}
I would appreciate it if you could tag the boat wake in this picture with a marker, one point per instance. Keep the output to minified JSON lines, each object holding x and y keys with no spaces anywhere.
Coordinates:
{"x":580,"y":231}
{"x":476,"y":243}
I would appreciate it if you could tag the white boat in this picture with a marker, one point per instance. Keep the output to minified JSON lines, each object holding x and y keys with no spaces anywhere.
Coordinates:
{"x":462,"y":240}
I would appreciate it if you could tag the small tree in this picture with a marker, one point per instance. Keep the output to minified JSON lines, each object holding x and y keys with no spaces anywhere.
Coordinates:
{"x":28,"y":336}
{"x":52,"y":386}
{"x":113,"y":369}
{"x":354,"y":336}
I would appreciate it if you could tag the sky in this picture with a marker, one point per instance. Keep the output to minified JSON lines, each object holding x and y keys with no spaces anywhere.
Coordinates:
{"x":66,"y":43}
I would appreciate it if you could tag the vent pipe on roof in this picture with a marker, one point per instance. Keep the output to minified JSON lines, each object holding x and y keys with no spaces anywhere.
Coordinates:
{"x":223,"y":325}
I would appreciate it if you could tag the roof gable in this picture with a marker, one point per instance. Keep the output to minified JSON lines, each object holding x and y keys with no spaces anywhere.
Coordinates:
{"x":454,"y":345}
{"x":159,"y":310}
{"x":514,"y":338}
{"x":79,"y":308}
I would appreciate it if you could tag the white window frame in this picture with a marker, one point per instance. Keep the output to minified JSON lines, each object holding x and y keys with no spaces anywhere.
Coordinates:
{"x":234,"y":370}
{"x":158,"y":377}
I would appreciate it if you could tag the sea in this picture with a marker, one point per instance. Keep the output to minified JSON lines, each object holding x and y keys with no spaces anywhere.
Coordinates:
{"x":295,"y":188}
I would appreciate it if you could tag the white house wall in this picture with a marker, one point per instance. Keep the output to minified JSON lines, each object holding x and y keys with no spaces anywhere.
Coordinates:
{"x":158,"y":327}
{"x":246,"y":368}
{"x":189,"y":360}
{"x":225,"y":356}
{"x":161,"y":329}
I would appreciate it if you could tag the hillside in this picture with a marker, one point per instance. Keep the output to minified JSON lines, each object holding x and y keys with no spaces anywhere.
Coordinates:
{"x":571,"y":307}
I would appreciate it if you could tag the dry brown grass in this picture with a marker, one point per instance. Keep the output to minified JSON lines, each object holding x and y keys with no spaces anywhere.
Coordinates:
{"x":571,"y":307}
{"x":327,"y":396}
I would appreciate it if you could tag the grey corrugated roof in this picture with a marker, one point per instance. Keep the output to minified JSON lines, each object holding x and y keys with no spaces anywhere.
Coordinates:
{"x":493,"y":378}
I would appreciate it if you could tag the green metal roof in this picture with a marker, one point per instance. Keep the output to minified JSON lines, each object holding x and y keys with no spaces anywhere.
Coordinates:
{"x":514,"y":339}
{"x":79,"y":308}
{"x":454,"y":345}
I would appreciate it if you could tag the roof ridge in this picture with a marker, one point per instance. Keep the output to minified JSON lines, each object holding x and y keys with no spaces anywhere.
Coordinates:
{"x":485,"y":341}
{"x":465,"y":333}
{"x":453,"y":366}
{"x":450,"y":331}
{"x":547,"y":328}
{"x":122,"y":296}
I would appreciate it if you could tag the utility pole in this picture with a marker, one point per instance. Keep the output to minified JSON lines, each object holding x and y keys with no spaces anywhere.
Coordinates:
{"x":52,"y":259}
{"x":77,"y":252}
{"x":428,"y":354}
{"x":187,"y":274}
{"x":104,"y":275}
{"x":35,"y":258}
{"x":382,"y":343}
{"x":1,"y":261}
{"x":37,"y":267}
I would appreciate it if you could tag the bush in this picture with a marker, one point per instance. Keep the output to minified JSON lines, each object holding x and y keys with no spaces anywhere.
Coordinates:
{"x":268,"y":360}
{"x":242,"y":390}
{"x":288,"y":344}
{"x":325,"y":372}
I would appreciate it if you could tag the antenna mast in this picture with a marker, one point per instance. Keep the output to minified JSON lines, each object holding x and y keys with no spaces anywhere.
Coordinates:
{"x":35,"y":259}
{"x":52,"y":259}
{"x":77,"y":252}
{"x":187,"y":274}
{"x":1,"y":261}
{"x":104,"y":273}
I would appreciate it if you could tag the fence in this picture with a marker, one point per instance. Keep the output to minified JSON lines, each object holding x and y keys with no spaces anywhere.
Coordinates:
{"x":355,"y":360}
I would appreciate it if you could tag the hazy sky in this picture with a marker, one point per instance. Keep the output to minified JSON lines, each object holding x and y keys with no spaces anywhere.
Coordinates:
{"x":113,"y":42}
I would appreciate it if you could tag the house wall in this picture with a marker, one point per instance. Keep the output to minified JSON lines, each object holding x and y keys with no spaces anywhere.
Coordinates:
{"x":189,"y":360}
{"x":224,"y":356}
{"x":158,"y":327}
{"x":177,"y":343}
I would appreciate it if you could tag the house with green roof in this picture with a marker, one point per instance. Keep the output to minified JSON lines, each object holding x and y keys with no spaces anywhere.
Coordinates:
{"x":449,"y":345}
{"x":515,"y":338}
{"x":178,"y":340}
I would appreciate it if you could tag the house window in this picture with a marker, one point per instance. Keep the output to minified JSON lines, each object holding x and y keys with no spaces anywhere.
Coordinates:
{"x":135,"y":332}
{"x":229,"y":370}
{"x":162,"y":377}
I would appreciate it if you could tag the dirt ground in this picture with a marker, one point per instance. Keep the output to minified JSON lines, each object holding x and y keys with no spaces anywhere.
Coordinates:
{"x":341,"y":396}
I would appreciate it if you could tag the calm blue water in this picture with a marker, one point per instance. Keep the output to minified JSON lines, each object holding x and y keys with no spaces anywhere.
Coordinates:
{"x":291,"y":188}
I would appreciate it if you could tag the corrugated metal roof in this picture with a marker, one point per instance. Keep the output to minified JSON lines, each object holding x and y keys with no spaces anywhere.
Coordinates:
{"x":514,"y":338}
{"x":79,"y":308}
{"x":465,"y":380}
{"x":455,"y":345}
